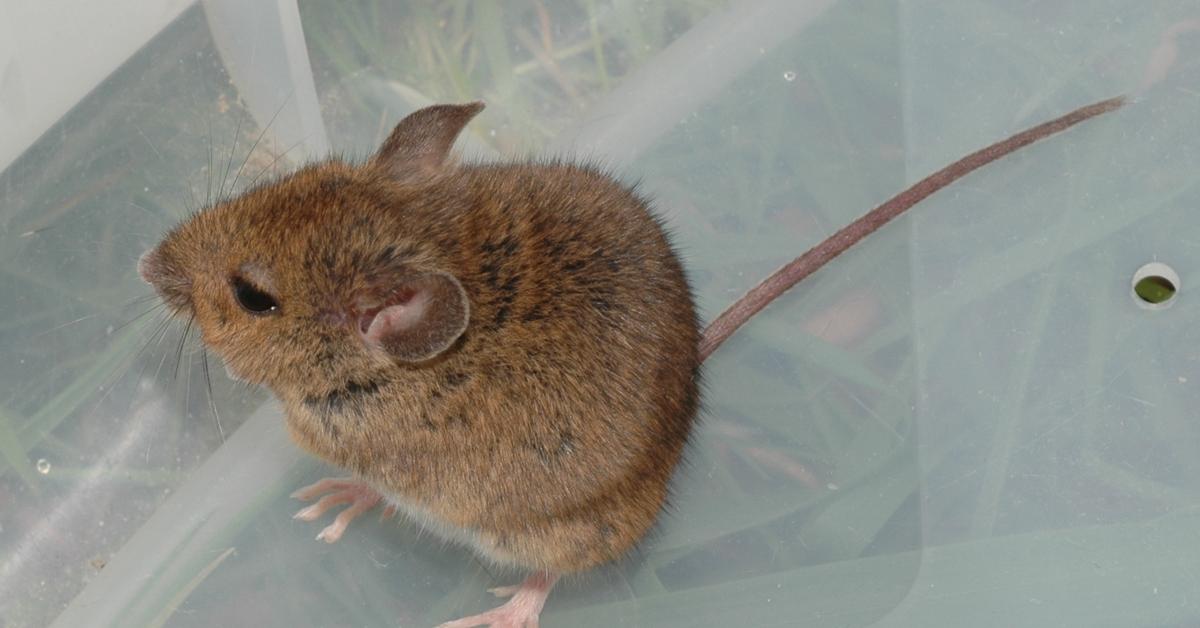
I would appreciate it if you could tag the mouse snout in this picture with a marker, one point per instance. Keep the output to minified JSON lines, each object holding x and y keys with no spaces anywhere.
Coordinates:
{"x":162,"y":271}
{"x":148,"y":266}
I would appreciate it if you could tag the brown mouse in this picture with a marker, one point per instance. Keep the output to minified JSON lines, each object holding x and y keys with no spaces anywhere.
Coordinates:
{"x":508,"y":353}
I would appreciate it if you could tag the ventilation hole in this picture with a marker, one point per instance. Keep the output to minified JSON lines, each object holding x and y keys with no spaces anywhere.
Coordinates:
{"x":1155,"y":285}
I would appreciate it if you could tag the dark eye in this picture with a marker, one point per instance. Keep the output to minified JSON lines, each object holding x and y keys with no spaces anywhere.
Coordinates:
{"x":252,"y":299}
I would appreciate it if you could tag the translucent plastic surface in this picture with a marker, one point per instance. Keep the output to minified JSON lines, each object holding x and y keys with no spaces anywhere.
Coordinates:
{"x":969,"y":419}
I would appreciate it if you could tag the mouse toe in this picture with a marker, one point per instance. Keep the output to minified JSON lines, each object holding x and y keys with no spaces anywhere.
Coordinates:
{"x":520,"y":611}
{"x":335,"y":491}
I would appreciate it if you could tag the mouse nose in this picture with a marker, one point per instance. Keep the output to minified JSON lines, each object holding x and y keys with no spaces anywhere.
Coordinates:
{"x":148,"y":266}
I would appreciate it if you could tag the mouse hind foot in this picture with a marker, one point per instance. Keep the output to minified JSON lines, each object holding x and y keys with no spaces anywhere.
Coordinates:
{"x":335,"y":491}
{"x":521,"y":610}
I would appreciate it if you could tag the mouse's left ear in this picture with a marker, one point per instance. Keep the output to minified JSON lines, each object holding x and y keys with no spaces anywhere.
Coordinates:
{"x":418,"y":146}
{"x":426,"y":313}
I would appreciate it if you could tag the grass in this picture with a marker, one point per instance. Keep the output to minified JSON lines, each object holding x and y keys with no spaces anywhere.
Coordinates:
{"x":118,"y":414}
{"x":961,"y":415}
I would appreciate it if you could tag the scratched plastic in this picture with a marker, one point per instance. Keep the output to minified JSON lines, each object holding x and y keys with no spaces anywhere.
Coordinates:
{"x":968,"y":419}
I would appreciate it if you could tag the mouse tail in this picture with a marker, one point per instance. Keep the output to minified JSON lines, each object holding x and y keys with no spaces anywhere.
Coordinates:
{"x":813,"y":259}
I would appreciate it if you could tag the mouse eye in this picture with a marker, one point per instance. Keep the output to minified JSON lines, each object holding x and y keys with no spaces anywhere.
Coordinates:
{"x":252,"y":299}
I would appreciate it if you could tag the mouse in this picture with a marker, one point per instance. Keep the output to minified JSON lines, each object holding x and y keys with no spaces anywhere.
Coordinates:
{"x":507,"y":353}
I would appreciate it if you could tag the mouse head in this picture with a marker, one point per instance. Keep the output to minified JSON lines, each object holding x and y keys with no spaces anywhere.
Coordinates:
{"x":327,"y":275}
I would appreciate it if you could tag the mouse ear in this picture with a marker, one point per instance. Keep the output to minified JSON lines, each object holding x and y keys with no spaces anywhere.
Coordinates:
{"x":424,"y":316}
{"x":418,"y":145}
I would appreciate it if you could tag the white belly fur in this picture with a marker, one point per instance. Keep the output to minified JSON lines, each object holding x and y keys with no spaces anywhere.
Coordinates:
{"x":450,"y":533}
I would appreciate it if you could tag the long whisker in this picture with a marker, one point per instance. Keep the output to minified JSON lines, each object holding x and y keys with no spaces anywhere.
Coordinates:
{"x":155,"y":339}
{"x":161,"y":158}
{"x":187,"y":387}
{"x":67,"y":324}
{"x":102,"y":313}
{"x":212,"y":403}
{"x":191,"y":196}
{"x":111,"y":383}
{"x":237,"y":132}
{"x":273,"y":162}
{"x":141,"y":299}
{"x":148,"y":142}
{"x":256,"y":141}
{"x":163,"y":360}
{"x":142,"y":207}
{"x":145,"y":366}
{"x":208,"y":187}
{"x":187,"y":329}
{"x":138,"y":317}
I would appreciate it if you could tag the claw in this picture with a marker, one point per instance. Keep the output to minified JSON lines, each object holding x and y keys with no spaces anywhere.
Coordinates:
{"x":505,"y":591}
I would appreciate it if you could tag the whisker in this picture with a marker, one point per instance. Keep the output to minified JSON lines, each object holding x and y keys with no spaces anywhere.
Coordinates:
{"x":160,"y":330}
{"x":273,"y":162}
{"x":257,"y":140}
{"x":191,"y":195}
{"x":156,"y":340}
{"x":212,"y":403}
{"x":163,"y":360}
{"x":187,"y":388}
{"x":137,"y":318}
{"x":110,"y":383}
{"x":155,"y":337}
{"x":208,"y":188}
{"x":187,"y":329}
{"x":29,"y":233}
{"x":68,"y":324}
{"x":148,"y":142}
{"x":101,"y":313}
{"x":142,"y":207}
{"x":237,"y":132}
{"x":159,"y":155}
{"x":142,"y":371}
{"x":141,"y":299}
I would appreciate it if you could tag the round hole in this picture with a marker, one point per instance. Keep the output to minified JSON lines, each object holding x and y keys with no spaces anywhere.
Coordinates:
{"x":1155,"y":286}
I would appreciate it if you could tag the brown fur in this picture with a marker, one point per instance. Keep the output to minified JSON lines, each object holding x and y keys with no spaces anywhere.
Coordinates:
{"x":550,"y":427}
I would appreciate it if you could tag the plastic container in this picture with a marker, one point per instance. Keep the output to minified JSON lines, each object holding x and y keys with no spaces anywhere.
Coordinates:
{"x":972,"y":418}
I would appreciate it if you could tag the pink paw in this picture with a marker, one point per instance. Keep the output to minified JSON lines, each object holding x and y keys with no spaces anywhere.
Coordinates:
{"x":357,"y":493}
{"x":521,"y":611}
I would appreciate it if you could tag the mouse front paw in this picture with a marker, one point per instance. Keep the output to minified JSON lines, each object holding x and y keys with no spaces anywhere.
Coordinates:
{"x":334,"y":491}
